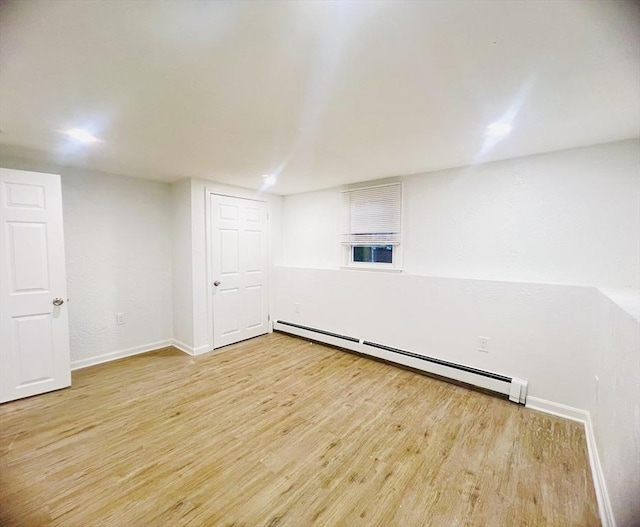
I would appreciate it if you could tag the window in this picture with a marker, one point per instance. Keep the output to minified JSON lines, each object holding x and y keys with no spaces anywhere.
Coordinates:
{"x":371,"y":226}
{"x":373,"y":254}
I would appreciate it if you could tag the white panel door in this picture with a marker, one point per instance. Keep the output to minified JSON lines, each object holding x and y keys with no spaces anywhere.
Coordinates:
{"x":34,"y":333}
{"x":239,"y":269}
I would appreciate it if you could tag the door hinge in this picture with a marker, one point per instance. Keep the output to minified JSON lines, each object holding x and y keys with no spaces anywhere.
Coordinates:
{"x":268,"y":318}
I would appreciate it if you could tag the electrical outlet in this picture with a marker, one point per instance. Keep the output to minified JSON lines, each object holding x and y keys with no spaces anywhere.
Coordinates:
{"x":119,"y":319}
{"x":483,"y":344}
{"x":296,"y":308}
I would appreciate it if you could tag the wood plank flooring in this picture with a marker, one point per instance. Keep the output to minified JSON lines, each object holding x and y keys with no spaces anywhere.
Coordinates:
{"x":277,"y":431}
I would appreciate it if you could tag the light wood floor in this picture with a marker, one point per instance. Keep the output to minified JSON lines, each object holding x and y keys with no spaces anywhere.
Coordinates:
{"x":276,"y":431}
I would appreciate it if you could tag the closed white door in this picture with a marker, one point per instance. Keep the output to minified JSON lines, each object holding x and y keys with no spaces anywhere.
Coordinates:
{"x":34,"y":357}
{"x":239,"y":269}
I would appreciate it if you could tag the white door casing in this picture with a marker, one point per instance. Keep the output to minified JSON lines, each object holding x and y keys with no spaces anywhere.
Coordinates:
{"x":239,"y":267}
{"x":34,"y":333}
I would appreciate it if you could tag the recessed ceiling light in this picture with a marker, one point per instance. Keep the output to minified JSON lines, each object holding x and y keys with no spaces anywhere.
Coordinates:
{"x":81,"y":135}
{"x":498,"y":129}
{"x":268,"y":179}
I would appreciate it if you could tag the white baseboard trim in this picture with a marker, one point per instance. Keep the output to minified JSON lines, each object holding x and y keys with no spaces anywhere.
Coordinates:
{"x":560,"y":410}
{"x":576,"y":414}
{"x":137,"y":350}
{"x":602,"y":494}
{"x":202,"y":349}
{"x":190,"y":350}
{"x":114,"y":355}
{"x":182,"y":347}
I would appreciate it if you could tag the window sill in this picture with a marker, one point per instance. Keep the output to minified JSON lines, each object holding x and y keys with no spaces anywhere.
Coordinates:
{"x":371,"y":268}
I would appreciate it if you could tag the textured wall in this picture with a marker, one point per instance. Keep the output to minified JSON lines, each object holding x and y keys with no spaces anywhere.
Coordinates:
{"x":615,"y":406}
{"x":311,"y":234}
{"x":118,"y":245}
{"x":570,"y":217}
{"x":566,"y":217}
{"x":182,"y":274}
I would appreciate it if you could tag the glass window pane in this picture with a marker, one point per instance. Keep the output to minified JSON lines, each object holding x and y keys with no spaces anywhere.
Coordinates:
{"x":373,"y":254}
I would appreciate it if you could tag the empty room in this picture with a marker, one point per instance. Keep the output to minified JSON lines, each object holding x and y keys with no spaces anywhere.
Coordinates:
{"x":319,"y":263}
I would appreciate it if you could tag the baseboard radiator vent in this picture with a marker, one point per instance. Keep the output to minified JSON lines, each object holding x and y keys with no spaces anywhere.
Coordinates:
{"x":515,"y":388}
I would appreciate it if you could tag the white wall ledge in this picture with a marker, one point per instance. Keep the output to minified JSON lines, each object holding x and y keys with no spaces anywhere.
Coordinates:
{"x":627,"y":299}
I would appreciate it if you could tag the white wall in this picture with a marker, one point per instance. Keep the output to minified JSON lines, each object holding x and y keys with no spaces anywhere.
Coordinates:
{"x":118,"y":248}
{"x":615,"y":405}
{"x":570,"y":217}
{"x":182,"y":272}
{"x":310,"y":229}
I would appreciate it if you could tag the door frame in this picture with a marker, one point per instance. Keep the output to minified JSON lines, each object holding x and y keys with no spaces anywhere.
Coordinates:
{"x":208,"y":192}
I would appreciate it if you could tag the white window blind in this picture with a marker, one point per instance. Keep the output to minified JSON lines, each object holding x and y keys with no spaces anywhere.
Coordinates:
{"x":372,"y":216}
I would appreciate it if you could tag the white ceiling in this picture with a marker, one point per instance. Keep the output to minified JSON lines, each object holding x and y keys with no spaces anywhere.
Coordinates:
{"x":321,"y":93}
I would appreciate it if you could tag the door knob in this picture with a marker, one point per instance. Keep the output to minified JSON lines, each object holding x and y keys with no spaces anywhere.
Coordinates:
{"x":58,"y":301}
{"x":216,"y":283}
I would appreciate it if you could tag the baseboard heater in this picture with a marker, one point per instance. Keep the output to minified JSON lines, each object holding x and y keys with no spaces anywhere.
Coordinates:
{"x":515,"y":388}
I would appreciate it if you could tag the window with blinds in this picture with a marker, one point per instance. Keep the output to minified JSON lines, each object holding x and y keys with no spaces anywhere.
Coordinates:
{"x":372,"y":219}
